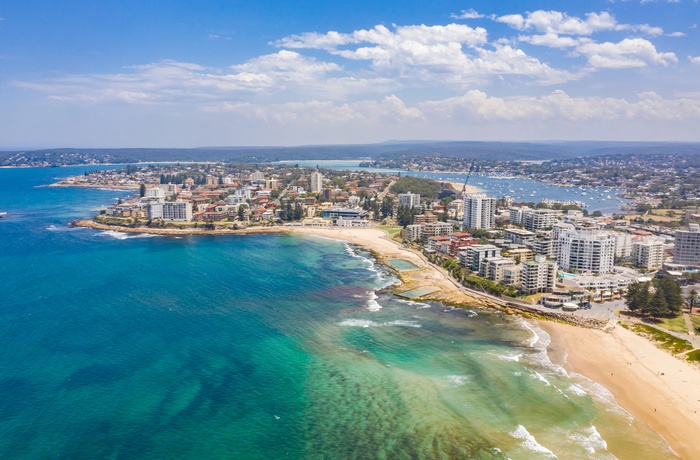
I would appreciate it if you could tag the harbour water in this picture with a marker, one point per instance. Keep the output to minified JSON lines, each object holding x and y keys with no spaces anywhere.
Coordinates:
{"x":262,"y":346}
{"x":604,"y":199}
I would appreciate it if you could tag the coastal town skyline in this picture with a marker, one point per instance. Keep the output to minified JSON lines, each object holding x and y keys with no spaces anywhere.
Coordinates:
{"x":185,"y":75}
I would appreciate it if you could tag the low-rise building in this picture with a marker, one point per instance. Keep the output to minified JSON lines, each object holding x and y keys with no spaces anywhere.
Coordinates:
{"x":435,"y":229}
{"x":519,"y":236}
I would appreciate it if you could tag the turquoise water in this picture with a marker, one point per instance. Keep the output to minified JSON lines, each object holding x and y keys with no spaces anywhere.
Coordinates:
{"x":401,"y":264}
{"x":136,"y":347}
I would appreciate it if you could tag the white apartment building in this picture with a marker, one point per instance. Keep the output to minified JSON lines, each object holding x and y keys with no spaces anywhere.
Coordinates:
{"x":316,"y":182}
{"x":623,"y":244}
{"x":519,"y":236}
{"x":611,"y":282}
{"x":154,"y":192}
{"x":587,"y":251}
{"x":471,"y":256}
{"x":493,"y":268}
{"x":687,"y":246}
{"x":513,"y":275}
{"x":479,"y":211}
{"x":648,"y":254}
{"x":539,"y":275}
{"x":409,"y":200}
{"x":544,"y":246}
{"x":177,"y":211}
{"x":413,"y":232}
{"x":539,"y":219}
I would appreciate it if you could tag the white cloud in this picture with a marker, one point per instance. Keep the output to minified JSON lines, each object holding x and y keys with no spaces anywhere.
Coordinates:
{"x":452,"y":54}
{"x":553,"y":40}
{"x":555,"y":22}
{"x":476,"y":105}
{"x":467,"y":14}
{"x":676,"y":34}
{"x":628,"y":53}
{"x":558,"y":23}
{"x":694,"y":60}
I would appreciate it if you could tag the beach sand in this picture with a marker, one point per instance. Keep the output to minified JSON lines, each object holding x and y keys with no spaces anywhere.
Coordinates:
{"x":668,"y":403}
{"x":655,"y":387}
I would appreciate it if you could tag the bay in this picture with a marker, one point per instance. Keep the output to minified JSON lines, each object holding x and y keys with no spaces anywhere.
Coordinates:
{"x":262,"y":346}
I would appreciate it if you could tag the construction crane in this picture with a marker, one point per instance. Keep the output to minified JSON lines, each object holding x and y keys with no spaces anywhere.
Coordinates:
{"x":466,"y":180}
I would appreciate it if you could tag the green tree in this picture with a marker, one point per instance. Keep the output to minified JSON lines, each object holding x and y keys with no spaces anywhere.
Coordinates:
{"x":692,"y":298}
{"x":142,"y":190}
{"x":637,"y":296}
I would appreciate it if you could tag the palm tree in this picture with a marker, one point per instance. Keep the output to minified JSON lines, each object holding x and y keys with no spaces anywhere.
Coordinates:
{"x":692,"y":298}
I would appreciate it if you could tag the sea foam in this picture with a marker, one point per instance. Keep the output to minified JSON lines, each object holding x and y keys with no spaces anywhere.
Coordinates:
{"x":530,"y":443}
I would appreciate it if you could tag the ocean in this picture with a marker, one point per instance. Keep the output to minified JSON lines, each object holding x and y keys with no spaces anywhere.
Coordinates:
{"x":262,"y":347}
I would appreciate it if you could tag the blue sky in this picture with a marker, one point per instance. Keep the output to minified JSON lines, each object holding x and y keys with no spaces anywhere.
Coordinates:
{"x":183,"y":73}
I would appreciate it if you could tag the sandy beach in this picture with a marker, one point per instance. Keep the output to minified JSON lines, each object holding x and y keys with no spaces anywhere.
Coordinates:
{"x":629,"y":366}
{"x":652,"y":385}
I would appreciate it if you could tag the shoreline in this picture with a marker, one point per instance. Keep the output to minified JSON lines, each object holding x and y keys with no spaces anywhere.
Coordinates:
{"x":649,"y":383}
{"x":600,"y":356}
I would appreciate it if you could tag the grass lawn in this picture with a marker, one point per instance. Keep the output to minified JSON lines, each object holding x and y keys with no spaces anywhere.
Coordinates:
{"x":693,"y":356}
{"x":663,"y":340}
{"x":390,"y":229}
{"x":674,"y":324}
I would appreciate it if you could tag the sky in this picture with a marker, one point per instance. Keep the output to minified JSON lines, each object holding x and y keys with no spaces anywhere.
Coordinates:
{"x":177,"y":73}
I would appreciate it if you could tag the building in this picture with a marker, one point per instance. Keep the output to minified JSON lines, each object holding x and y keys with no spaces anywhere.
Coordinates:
{"x":687,"y":246}
{"x":519,"y":236}
{"x":586,"y":251}
{"x":409,"y":200}
{"x":424,"y":218}
{"x":648,"y":254}
{"x":539,"y":219}
{"x":180,"y":211}
{"x":471,"y":256}
{"x":413,"y":232}
{"x":544,"y":246}
{"x":479,"y":211}
{"x":607,"y":284}
{"x":513,"y":275}
{"x":154,"y":211}
{"x":345,"y":213}
{"x":154,"y":192}
{"x":435,"y":229}
{"x":316,"y":182}
{"x":493,"y":268}
{"x":439,"y":244}
{"x":623,"y":244}
{"x":539,"y":275}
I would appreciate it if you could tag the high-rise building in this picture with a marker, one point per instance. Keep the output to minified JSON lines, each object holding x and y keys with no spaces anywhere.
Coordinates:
{"x":471,"y":256}
{"x":686,"y":250}
{"x":177,"y":211}
{"x":479,"y":210}
{"x":584,"y":250}
{"x":648,"y":254}
{"x":409,"y":200}
{"x":539,"y":275}
{"x":316,"y":182}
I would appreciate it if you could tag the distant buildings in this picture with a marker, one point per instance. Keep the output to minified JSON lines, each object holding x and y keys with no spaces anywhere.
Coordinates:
{"x":409,"y":200}
{"x":479,"y":211}
{"x":316,"y":182}
{"x":687,"y":246}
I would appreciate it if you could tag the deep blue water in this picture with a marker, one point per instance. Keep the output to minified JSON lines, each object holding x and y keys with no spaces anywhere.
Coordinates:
{"x":137,"y":347}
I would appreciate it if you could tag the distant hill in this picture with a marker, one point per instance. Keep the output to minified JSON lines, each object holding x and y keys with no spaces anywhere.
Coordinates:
{"x":503,"y":151}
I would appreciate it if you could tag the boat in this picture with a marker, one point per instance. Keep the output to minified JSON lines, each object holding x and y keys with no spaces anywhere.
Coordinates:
{"x":2,"y":214}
